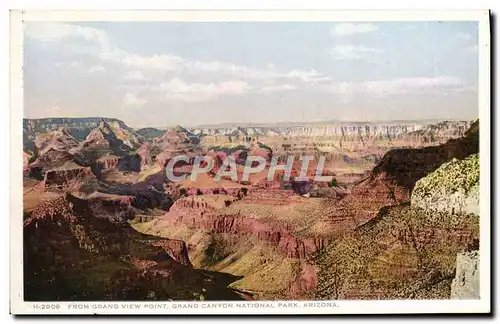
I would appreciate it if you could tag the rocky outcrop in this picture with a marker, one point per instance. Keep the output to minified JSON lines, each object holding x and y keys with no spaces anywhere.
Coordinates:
{"x":71,"y":255}
{"x":453,"y":188}
{"x":79,"y":128}
{"x":176,"y":249}
{"x":304,"y":282}
{"x":149,"y":133}
{"x":130,"y":162}
{"x":398,"y":250}
{"x":359,"y":145}
{"x":53,"y":160}
{"x":406,"y":166}
{"x":59,"y":140}
{"x":177,"y":141}
{"x":466,"y":284}
{"x":400,"y":254}
{"x":68,"y":176}
{"x":362,"y":203}
{"x":112,"y":207}
{"x":107,"y":139}
{"x":199,"y":214}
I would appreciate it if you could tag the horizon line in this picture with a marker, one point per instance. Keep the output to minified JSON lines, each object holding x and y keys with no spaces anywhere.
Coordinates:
{"x":265,"y":124}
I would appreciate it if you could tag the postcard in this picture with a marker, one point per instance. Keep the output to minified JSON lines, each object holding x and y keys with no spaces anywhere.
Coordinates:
{"x":250,"y":162}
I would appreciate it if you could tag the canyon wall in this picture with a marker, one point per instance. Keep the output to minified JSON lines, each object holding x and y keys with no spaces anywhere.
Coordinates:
{"x":367,"y":130}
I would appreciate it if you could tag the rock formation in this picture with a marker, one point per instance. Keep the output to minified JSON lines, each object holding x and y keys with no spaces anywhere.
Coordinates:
{"x":453,"y":188}
{"x":177,"y":141}
{"x":150,"y":133}
{"x":450,"y":128}
{"x":403,"y":251}
{"x":111,"y":139}
{"x":69,"y":254}
{"x":67,"y":176}
{"x":466,"y":284}
{"x":406,"y":166}
{"x":79,"y":128}
{"x":58,"y":168}
{"x":357,"y":237}
{"x":59,"y":140}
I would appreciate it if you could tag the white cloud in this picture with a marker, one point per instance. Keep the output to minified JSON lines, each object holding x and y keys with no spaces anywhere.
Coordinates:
{"x":311,"y":76}
{"x":98,"y":44}
{"x":134,"y":75}
{"x":63,"y":32}
{"x":395,"y":86}
{"x":281,"y":87}
{"x":355,"y":53}
{"x":198,"y":81}
{"x":132,"y":100}
{"x":97,"y":69}
{"x":180,"y":90}
{"x":155,"y":62}
{"x":55,"y":110}
{"x":346,"y":29}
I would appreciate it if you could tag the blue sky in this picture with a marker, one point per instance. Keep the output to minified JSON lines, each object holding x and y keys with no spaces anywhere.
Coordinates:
{"x":166,"y":73}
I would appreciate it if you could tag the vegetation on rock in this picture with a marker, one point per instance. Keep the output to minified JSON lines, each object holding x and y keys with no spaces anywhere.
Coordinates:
{"x":450,"y":177}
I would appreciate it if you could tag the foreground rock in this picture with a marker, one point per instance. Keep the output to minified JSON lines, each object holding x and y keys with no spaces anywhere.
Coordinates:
{"x":453,"y":188}
{"x":466,"y":284}
{"x":403,"y":251}
{"x":392,"y":180}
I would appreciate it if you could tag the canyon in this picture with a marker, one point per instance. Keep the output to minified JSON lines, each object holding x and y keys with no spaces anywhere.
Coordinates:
{"x":103,"y":221}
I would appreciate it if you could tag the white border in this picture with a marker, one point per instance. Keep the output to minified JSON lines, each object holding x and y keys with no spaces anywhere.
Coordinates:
{"x":18,"y":306}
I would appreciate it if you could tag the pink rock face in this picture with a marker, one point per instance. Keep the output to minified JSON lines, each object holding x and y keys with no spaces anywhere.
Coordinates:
{"x":52,"y":158}
{"x":108,"y":137}
{"x":143,"y":152}
{"x":305,"y":282}
{"x":67,"y":178}
{"x":172,"y":143}
{"x":199,"y":214}
{"x":262,"y":151}
{"x":108,"y":162}
{"x":176,"y":249}
{"x":176,"y":138}
{"x":60,"y":140}
{"x":96,"y":139}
